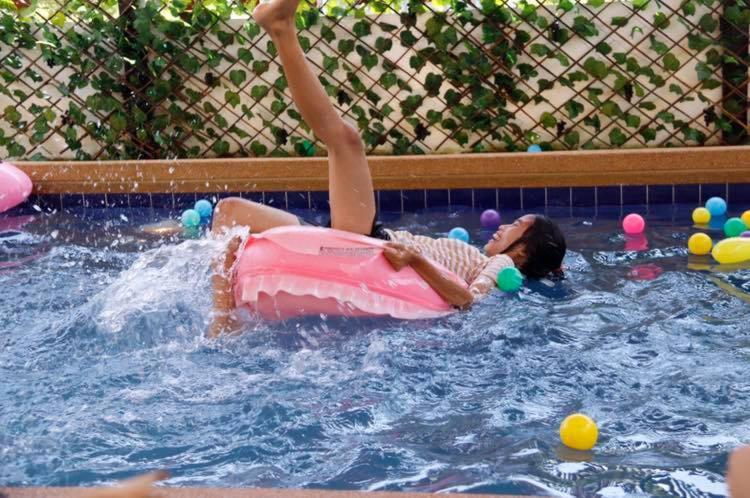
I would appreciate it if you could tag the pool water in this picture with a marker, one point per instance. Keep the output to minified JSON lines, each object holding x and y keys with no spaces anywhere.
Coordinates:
{"x":106,"y":372}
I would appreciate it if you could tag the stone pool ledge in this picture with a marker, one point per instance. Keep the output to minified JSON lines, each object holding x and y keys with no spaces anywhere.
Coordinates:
{"x":222,"y":493}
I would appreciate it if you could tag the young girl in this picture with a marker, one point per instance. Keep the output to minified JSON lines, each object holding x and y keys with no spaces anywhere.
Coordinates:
{"x":532,"y":243}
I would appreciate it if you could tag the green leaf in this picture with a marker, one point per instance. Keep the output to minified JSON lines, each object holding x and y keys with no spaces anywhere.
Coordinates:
{"x":573,"y":108}
{"x":361,"y":28}
{"x":118,"y":122}
{"x":632,"y":120}
{"x":572,"y":138}
{"x":548,"y":120}
{"x":619,"y":21}
{"x":611,"y":109}
{"x":595,"y":3}
{"x":617,"y":137}
{"x":433,"y":82}
{"x":245,"y":55}
{"x":221,"y":147}
{"x":704,"y":71}
{"x":584,"y":27}
{"x":708,"y":23}
{"x":670,"y":62}
{"x":688,"y":8}
{"x":661,"y":21}
{"x":238,"y":76}
{"x":648,"y":134}
{"x":258,"y":92}
{"x":387,"y":80}
{"x":595,"y":68}
{"x":640,"y":4}
{"x":698,"y":42}
{"x":232,"y":98}
{"x":346,"y":47}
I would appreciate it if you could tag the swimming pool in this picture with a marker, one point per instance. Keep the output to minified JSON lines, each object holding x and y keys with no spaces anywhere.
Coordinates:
{"x":107,"y":373}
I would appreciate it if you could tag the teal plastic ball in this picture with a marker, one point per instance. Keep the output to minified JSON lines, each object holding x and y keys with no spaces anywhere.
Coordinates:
{"x":204,"y":208}
{"x":459,"y":233}
{"x":716,"y":206}
{"x":509,"y":279}
{"x":191,"y":218}
{"x":734,"y":227}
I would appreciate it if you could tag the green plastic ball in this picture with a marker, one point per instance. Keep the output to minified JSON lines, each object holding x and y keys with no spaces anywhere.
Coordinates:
{"x":509,"y":279}
{"x":734,"y":227}
{"x":190,"y":218}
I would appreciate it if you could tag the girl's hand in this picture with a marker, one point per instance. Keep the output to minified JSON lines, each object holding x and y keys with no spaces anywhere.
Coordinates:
{"x":399,"y":255}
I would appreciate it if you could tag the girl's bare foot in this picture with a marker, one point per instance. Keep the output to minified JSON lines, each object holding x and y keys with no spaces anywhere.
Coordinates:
{"x":276,"y":16}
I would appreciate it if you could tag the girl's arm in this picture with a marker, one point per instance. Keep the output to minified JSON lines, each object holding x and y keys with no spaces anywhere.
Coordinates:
{"x":223,"y":319}
{"x":400,"y":256}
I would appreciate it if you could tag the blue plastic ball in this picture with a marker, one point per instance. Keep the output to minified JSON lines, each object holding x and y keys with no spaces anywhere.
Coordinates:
{"x":204,"y":208}
{"x":716,"y":206}
{"x":459,"y":233}
{"x":534,"y":148}
{"x":191,"y":218}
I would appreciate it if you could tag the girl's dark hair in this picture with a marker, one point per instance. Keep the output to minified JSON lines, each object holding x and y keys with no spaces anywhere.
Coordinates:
{"x":544,"y":245}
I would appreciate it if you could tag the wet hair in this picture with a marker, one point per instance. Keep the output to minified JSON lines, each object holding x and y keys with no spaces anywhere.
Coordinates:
{"x":544,"y":245}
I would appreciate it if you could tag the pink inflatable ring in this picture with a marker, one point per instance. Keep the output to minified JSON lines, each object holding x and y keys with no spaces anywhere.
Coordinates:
{"x":15,"y":186}
{"x":296,"y":271}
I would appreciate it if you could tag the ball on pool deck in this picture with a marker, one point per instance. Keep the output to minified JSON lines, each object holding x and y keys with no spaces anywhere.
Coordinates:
{"x":579,"y":432}
{"x":700,"y":244}
{"x":633,"y":223}
{"x":734,"y":227}
{"x":534,"y":148}
{"x":716,"y":206}
{"x":509,"y":279}
{"x":746,"y":217}
{"x":459,"y":233}
{"x":191,"y":218}
{"x":490,"y":219}
{"x":204,"y":208}
{"x":701,"y":216}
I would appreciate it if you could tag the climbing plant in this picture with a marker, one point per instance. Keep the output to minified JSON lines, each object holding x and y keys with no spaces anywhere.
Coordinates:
{"x":121,"y":79}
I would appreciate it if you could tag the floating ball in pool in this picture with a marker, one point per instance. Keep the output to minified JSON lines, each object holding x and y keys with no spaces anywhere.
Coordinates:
{"x":633,"y":223}
{"x":579,"y":432}
{"x":746,"y":217}
{"x":716,"y":206}
{"x":459,"y":233}
{"x":701,"y":216}
{"x":734,"y":227}
{"x":191,"y":218}
{"x":509,"y":279}
{"x":490,"y":219}
{"x":534,"y":148}
{"x":700,"y":244}
{"x":204,"y":208}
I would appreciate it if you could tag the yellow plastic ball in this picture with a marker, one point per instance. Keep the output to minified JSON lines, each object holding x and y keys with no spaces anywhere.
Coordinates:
{"x":746,"y":217}
{"x":579,"y":432}
{"x":701,"y":216}
{"x":700,"y":244}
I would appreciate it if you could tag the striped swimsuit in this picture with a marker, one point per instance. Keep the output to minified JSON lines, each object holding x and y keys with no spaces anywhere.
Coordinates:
{"x":477,"y":270}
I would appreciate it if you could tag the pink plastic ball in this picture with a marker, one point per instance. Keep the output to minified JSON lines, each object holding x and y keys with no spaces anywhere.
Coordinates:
{"x":746,"y":234}
{"x":490,"y":219}
{"x":633,"y":223}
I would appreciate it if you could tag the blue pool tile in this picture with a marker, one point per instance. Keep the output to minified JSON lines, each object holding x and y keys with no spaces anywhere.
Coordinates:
{"x":275,"y":199}
{"x":709,"y":190}
{"x":414,"y":199}
{"x":584,"y":196}
{"x":437,"y":198}
{"x":634,"y":194}
{"x":509,"y":198}
{"x":298,"y":200}
{"x":739,"y":193}
{"x":253,"y":196}
{"x":95,"y":200}
{"x":71,"y":200}
{"x":47,"y":202}
{"x":559,"y":197}
{"x":533,"y":198}
{"x":461,"y":197}
{"x":184,"y":201}
{"x":660,"y":194}
{"x":162,"y":201}
{"x":485,"y":198}
{"x":319,"y":201}
{"x":686,"y":194}
{"x":609,"y":196}
{"x":118,"y":200}
{"x":390,"y":200}
{"x":140,"y":200}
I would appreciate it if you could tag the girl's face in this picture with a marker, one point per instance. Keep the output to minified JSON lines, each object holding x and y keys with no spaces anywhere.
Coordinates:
{"x":506,"y":235}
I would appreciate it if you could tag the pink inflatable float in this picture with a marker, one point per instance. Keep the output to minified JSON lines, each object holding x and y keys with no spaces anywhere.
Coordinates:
{"x":296,"y":271}
{"x":15,"y":186}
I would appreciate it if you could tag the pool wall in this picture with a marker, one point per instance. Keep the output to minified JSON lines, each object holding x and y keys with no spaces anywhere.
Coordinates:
{"x":407,"y":183}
